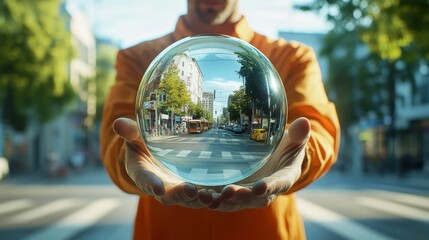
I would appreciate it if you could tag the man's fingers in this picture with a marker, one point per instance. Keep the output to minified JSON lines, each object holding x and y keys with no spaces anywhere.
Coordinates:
{"x":299,"y":130}
{"x":127,"y":129}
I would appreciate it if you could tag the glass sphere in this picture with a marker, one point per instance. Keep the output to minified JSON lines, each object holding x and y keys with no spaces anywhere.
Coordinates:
{"x":211,"y":109}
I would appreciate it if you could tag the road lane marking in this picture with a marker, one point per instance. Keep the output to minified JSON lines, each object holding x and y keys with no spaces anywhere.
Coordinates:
{"x":15,"y":205}
{"x":394,"y":209}
{"x":76,"y":222}
{"x":406,"y":198}
{"x":205,"y":154}
{"x":337,"y":223}
{"x":198,"y":172}
{"x":247,"y":155}
{"x":183,"y":153}
{"x":163,"y":152}
{"x":226,"y":155}
{"x":230,"y":173}
{"x":43,"y":210}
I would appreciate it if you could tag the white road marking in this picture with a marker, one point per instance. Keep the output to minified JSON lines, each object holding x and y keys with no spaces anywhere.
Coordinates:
{"x":229,"y":173}
{"x":198,"y":172}
{"x":337,"y":223}
{"x":406,"y":198}
{"x":205,"y":154}
{"x":183,"y":153}
{"x":163,"y":152}
{"x":247,"y":155}
{"x":226,"y":155}
{"x":394,"y":209}
{"x":74,"y":223}
{"x":43,"y":210}
{"x":15,"y":205}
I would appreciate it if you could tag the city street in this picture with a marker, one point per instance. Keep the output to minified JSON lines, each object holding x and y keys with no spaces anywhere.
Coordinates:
{"x":85,"y":205}
{"x":214,"y":154}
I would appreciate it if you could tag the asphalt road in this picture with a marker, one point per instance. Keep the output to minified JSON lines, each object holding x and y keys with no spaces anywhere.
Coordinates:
{"x":85,"y":205}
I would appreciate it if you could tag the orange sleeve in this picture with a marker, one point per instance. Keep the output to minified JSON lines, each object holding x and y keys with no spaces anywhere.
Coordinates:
{"x":120,"y":103}
{"x":307,"y":98}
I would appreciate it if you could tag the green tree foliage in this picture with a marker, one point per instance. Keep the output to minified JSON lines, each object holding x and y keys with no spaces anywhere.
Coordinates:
{"x":105,"y":72}
{"x":374,"y":44}
{"x":240,"y":103}
{"x":35,"y":50}
{"x":254,"y":80}
{"x":177,"y":97}
{"x":392,"y":29}
{"x":395,"y":32}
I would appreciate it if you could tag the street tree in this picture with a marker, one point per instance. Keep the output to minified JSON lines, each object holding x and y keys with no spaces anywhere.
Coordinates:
{"x":395,"y":32}
{"x":35,"y":51}
{"x":177,"y":97}
{"x":239,"y":103}
{"x":105,"y":72}
{"x":253,"y":76}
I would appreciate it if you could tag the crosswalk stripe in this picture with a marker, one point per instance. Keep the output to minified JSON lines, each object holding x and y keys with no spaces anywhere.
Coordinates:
{"x":406,"y":198}
{"x":205,"y":154}
{"x":226,"y":155}
{"x":199,"y":172}
{"x":43,"y":210}
{"x":183,"y":153}
{"x":247,"y":155}
{"x":337,"y":223}
{"x":231,"y":173}
{"x":394,"y":208}
{"x":15,"y":205}
{"x":74,"y":223}
{"x":163,"y":152}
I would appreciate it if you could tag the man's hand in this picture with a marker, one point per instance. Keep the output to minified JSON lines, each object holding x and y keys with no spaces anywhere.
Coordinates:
{"x":276,"y":177}
{"x":150,"y":177}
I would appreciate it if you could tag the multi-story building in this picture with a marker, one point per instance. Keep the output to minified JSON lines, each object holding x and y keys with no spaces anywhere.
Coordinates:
{"x":191,"y":75}
{"x":207,"y":102}
{"x":365,"y":145}
{"x":72,"y":132}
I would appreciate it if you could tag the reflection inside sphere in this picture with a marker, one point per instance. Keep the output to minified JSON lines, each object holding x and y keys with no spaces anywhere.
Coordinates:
{"x":211,"y":109}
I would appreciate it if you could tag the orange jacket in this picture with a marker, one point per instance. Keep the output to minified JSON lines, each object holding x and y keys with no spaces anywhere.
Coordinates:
{"x":300,"y":73}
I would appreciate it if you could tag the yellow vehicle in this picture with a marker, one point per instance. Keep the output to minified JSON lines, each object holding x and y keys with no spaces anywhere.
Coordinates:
{"x":259,"y":134}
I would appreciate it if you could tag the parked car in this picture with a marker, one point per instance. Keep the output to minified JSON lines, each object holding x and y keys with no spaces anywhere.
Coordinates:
{"x":237,"y":129}
{"x":259,"y":134}
{"x":4,"y":168}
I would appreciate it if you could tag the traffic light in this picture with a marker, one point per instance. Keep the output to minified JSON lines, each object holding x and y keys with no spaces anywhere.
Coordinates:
{"x":153,"y":96}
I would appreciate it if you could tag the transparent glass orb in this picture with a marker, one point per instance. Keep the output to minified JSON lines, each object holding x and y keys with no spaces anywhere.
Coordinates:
{"x":211,"y":109}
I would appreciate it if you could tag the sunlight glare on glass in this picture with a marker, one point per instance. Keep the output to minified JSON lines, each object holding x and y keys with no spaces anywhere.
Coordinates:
{"x":211,"y":109}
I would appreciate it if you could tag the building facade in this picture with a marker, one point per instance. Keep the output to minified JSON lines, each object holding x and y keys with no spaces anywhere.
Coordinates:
{"x":71,"y":135}
{"x":207,"y":102}
{"x":191,"y":75}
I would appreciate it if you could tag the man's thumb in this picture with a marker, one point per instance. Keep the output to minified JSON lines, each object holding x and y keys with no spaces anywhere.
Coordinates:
{"x":299,"y":130}
{"x":126,"y":128}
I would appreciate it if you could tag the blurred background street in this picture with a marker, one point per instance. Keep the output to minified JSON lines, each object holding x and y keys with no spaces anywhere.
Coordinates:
{"x":85,"y":205}
{"x":57,"y":62}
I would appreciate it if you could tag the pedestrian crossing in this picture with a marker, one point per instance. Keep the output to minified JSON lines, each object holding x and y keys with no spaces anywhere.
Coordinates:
{"x":208,"y":140}
{"x":65,"y":218}
{"x":214,"y":156}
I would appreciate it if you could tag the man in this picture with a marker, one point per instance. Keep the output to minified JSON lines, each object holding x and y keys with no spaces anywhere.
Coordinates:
{"x":172,"y":209}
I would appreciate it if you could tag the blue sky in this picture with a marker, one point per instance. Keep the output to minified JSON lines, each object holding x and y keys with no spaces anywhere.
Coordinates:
{"x":128,"y":22}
